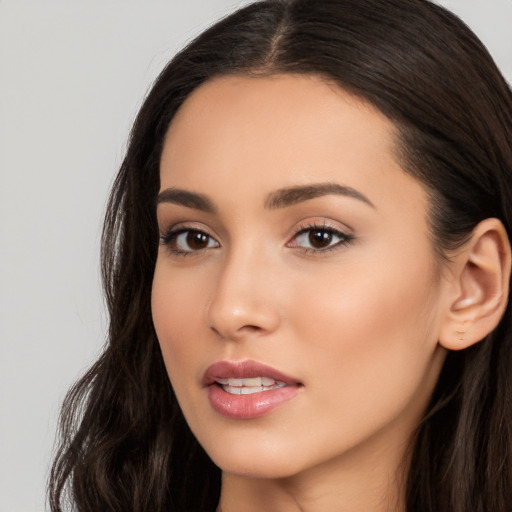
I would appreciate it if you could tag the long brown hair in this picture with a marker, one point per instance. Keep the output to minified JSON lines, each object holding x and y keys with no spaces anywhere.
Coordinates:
{"x":125,"y":445}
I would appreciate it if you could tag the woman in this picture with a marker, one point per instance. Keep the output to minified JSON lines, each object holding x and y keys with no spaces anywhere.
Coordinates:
{"x":309,"y":238}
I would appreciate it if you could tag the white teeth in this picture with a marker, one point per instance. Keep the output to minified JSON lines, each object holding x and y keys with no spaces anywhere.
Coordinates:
{"x":250,"y":382}
{"x":249,"y":390}
{"x":255,"y":381}
{"x":249,"y":386}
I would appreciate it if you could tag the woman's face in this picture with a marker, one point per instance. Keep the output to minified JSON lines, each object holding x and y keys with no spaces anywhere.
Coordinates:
{"x":296,"y":295}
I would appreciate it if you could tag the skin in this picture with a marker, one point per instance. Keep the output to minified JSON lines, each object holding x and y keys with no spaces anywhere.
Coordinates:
{"x":357,"y":324}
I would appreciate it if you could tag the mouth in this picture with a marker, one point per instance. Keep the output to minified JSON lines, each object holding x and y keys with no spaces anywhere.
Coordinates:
{"x":252,"y":375}
{"x":250,"y":385}
{"x":247,"y":389}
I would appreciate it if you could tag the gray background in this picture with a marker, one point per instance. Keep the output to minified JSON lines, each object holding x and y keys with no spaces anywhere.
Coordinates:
{"x":72,"y":76}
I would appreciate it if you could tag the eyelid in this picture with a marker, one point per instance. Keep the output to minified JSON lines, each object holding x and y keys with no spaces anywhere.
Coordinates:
{"x":170,"y":234}
{"x":171,"y":227}
{"x":345,"y":235}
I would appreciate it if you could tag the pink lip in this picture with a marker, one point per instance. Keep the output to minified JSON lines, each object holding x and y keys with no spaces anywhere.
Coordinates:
{"x":244,"y":407}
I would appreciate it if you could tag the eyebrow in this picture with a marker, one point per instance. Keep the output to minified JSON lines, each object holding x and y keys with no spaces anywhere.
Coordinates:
{"x":293,"y":195}
{"x":279,"y":199}
{"x":185,"y":198}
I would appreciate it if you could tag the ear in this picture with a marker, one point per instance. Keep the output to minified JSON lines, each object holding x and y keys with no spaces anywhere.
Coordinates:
{"x":478,"y":286}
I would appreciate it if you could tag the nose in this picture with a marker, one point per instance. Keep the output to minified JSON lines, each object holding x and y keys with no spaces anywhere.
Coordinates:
{"x":243,"y":303}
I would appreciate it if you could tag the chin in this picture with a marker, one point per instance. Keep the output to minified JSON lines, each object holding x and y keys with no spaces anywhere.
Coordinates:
{"x":265,"y":462}
{"x":265,"y":469}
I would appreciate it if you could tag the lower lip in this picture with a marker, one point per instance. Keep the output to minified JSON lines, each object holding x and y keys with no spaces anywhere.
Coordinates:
{"x":246,"y":407}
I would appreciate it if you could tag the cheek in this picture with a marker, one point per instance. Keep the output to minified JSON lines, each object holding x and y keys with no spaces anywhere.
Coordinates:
{"x":369,"y":333}
{"x":176,"y":308}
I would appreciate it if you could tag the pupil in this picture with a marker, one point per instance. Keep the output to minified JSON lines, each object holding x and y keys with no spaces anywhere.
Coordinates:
{"x":320,"y":238}
{"x":197,"y":240}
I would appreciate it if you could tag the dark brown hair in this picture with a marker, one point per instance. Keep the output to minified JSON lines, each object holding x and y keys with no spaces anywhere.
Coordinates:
{"x":125,"y":445}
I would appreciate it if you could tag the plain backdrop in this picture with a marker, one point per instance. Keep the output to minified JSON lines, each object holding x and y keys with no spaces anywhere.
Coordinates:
{"x":72,"y":76}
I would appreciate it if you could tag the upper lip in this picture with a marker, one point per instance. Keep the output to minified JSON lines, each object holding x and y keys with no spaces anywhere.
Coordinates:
{"x":243,"y":370}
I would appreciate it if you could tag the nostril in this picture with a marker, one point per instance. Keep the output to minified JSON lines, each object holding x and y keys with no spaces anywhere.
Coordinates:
{"x":235,"y":315}
{"x":245,"y":329}
{"x":251,"y":328}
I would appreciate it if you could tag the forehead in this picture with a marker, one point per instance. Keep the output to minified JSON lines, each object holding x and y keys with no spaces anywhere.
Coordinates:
{"x":253,"y":135}
{"x":291,"y":107}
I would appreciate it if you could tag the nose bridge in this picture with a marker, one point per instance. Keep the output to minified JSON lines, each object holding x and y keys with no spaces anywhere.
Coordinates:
{"x":242,"y":301}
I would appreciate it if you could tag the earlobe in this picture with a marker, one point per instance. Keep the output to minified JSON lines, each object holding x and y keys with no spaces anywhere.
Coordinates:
{"x":478,"y":287}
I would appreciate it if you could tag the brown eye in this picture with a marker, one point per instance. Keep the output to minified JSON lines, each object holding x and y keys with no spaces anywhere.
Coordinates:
{"x":196,"y":240}
{"x":319,"y":238}
{"x":188,"y":241}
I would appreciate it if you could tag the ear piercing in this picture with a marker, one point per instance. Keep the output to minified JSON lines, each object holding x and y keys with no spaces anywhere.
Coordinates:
{"x":462,"y":333}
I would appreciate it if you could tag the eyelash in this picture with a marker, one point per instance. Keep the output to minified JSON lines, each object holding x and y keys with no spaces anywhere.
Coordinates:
{"x":170,"y":237}
{"x":345,"y":238}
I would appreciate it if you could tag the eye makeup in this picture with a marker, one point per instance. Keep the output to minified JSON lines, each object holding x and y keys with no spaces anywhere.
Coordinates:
{"x":311,"y":238}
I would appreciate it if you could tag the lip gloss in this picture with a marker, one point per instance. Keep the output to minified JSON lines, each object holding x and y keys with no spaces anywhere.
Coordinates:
{"x":247,"y":389}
